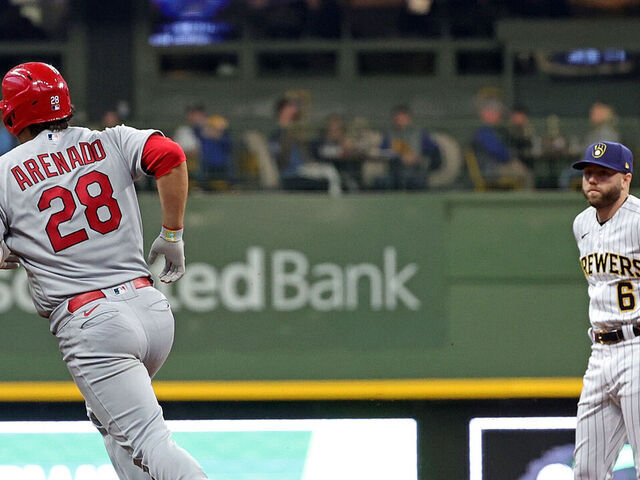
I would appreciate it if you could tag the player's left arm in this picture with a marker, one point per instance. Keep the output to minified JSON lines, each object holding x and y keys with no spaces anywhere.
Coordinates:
{"x":165,"y":159}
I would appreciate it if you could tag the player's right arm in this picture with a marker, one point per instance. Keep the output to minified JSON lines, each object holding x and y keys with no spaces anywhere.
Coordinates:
{"x":172,"y":190}
{"x":165,"y":159}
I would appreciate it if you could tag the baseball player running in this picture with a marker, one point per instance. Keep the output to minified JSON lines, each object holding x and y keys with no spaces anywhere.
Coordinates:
{"x":69,"y":214}
{"x":608,"y":237}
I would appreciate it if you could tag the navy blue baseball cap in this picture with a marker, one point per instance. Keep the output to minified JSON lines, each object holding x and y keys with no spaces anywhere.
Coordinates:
{"x":607,"y":154}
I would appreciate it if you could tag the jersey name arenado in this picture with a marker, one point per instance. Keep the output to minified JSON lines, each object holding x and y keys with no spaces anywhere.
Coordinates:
{"x":68,"y":209}
{"x":610,"y":260}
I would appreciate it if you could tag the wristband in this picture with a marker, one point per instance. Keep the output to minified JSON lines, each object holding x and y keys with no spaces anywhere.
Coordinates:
{"x":171,"y":235}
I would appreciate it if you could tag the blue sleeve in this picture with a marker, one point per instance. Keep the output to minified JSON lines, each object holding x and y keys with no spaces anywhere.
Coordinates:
{"x":227,"y":145}
{"x":429,"y":146}
{"x":197,"y":131}
{"x":432,"y":150}
{"x":386,"y":142}
{"x":227,"y":148}
{"x":274,"y":144}
{"x":487,"y":140}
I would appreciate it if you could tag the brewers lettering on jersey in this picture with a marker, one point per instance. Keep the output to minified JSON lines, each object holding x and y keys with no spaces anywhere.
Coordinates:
{"x":608,"y":237}
{"x":69,"y":214}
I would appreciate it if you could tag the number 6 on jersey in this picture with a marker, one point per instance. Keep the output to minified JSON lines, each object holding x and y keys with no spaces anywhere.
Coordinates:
{"x":626,"y":298}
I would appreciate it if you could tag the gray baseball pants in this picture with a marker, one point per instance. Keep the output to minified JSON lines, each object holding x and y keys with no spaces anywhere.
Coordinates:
{"x":113,"y":346}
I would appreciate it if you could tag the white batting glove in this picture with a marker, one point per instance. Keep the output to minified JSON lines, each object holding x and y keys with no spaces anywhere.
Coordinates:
{"x":170,"y":245}
{"x":8,"y":261}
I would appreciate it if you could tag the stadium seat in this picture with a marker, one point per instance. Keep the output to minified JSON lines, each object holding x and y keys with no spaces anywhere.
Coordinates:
{"x":452,"y":161}
{"x":268,"y":175}
{"x":482,"y":183}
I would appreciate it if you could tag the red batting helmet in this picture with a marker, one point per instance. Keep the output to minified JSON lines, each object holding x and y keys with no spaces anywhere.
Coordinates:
{"x":33,"y":93}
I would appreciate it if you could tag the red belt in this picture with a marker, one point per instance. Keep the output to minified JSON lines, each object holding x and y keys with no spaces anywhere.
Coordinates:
{"x":81,"y":300}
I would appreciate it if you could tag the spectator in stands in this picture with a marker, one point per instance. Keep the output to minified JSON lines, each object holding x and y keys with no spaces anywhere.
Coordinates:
{"x":554,"y":142}
{"x":286,"y":143}
{"x":523,"y":140}
{"x":526,"y":145}
{"x":110,"y":119}
{"x":491,"y":147}
{"x":413,"y":152}
{"x":333,"y":147}
{"x":366,"y":142}
{"x":365,"y":139}
{"x":185,"y":135}
{"x":602,"y":120}
{"x":332,"y":143}
{"x":289,"y":149}
{"x":216,"y":160}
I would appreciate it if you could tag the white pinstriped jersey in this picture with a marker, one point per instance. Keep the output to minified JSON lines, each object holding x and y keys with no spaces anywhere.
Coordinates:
{"x":610,"y":260}
{"x":68,"y":209}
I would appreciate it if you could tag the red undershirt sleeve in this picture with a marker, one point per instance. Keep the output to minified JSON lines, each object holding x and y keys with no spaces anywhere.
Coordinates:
{"x":161,"y":155}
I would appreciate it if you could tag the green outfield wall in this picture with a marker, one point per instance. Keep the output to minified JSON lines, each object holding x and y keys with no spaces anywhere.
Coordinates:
{"x":363,"y":287}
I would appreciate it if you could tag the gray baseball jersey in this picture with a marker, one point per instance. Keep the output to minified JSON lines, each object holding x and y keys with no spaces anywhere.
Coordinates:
{"x":68,"y":209}
{"x":608,"y":413}
{"x":62,"y":189}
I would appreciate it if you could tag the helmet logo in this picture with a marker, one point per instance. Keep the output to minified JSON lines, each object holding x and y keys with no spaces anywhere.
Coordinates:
{"x":599,"y":149}
{"x":55,"y":103}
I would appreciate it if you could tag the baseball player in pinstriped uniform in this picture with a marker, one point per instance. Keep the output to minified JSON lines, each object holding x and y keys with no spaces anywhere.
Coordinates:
{"x":69,"y":214}
{"x":608,"y":237}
